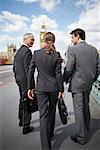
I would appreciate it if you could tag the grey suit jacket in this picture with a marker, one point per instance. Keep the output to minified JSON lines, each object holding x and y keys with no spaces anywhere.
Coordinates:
{"x":49,"y":77}
{"x":83,"y":67}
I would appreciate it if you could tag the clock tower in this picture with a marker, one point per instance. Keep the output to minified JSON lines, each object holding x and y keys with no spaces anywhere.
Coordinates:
{"x":42,"y":32}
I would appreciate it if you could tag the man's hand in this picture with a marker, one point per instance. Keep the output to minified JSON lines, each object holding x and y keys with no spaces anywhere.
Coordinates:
{"x":31,"y":93}
{"x":61,"y":94}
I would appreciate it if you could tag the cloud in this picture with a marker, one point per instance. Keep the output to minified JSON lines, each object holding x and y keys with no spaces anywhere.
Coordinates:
{"x":89,"y":20}
{"x":52,"y":26}
{"x":48,"y":5}
{"x":9,"y":37}
{"x":5,"y":38}
{"x":37,"y":21}
{"x":81,"y":2}
{"x":61,"y":42}
{"x":94,"y":39}
{"x":12,"y":22}
{"x":89,"y":4}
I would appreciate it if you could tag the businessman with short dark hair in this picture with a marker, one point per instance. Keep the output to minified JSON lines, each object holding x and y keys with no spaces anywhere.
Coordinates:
{"x":83,"y":69}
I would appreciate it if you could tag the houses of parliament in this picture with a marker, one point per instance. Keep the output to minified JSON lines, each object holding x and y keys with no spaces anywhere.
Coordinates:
{"x":8,"y":56}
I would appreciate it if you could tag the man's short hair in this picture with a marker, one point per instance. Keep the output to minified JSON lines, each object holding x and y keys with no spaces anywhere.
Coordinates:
{"x":79,"y":32}
{"x":27,"y":35}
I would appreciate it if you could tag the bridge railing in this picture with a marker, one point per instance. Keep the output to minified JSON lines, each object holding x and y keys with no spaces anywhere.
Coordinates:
{"x":96,"y":90}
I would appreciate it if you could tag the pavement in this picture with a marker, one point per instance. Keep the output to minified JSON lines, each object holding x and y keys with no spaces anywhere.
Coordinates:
{"x":11,"y":137}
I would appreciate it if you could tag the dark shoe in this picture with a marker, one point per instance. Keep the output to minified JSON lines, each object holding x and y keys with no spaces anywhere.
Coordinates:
{"x":20,"y":124}
{"x":74,"y":138}
{"x":27,"y":130}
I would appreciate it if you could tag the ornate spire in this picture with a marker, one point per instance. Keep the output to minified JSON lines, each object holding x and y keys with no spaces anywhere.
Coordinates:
{"x":42,"y":32}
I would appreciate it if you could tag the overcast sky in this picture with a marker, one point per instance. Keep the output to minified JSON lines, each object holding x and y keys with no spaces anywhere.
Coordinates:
{"x":60,"y":16}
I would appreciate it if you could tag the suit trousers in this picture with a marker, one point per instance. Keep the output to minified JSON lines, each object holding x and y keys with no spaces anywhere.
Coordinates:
{"x":82,"y":114}
{"x":23,"y":113}
{"x":47,"y":107}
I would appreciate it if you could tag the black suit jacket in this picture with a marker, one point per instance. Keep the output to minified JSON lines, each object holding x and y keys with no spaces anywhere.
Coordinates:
{"x":49,"y":77}
{"x":21,"y":66}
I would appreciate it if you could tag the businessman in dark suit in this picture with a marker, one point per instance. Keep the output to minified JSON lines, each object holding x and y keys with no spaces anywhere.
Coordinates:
{"x":83,"y":69}
{"x":20,"y":68}
{"x":49,"y":86}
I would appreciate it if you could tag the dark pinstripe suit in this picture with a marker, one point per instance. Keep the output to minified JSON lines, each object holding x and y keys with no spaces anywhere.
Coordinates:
{"x":20,"y":68}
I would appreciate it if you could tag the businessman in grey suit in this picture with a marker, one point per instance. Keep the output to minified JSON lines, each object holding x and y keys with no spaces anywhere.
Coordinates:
{"x":83,"y":69}
{"x":49,"y":86}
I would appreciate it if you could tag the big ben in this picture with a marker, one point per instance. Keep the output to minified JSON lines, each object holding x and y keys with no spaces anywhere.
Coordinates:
{"x":42,"y":32}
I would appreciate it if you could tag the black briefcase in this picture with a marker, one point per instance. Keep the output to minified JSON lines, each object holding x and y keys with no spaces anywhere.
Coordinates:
{"x":62,"y":110}
{"x":33,"y":105}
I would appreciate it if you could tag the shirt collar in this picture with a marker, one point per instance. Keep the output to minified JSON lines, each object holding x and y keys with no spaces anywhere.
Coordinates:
{"x":81,"y":41}
{"x":25,"y":45}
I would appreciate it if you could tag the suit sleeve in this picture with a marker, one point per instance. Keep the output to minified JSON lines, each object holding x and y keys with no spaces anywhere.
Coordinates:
{"x":69,"y":69}
{"x":14,"y":69}
{"x":27,"y":60}
{"x":31,"y":80}
{"x":14,"y":66}
{"x":97,"y":67}
{"x":70,"y":60}
{"x":59,"y":75}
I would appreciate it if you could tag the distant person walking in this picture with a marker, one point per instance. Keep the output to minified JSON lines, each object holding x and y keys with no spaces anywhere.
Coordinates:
{"x":82,"y":69}
{"x":20,"y":68}
{"x":49,"y":86}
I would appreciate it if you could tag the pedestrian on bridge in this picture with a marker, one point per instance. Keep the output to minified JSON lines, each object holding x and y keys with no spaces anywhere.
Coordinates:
{"x":82,"y":68}
{"x":49,"y":85}
{"x":20,"y":67}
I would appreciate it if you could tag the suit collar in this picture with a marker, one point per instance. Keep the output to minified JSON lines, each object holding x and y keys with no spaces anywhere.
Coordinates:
{"x":82,"y":41}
